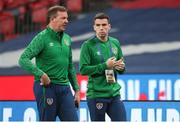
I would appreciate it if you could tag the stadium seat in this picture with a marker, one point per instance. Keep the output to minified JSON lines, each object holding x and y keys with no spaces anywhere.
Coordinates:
{"x":74,"y":6}
{"x":7,"y":25}
{"x":39,"y":12}
{"x":1,"y":5}
{"x":53,"y":2}
{"x":15,"y":3}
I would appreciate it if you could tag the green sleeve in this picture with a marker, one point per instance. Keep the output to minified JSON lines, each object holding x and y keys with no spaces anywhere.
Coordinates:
{"x":120,"y":55}
{"x":32,"y":50}
{"x":85,"y":63}
{"x":72,"y":73}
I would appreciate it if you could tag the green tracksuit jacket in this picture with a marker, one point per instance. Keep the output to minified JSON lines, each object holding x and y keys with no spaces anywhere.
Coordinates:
{"x":53,"y":56}
{"x":93,"y":57}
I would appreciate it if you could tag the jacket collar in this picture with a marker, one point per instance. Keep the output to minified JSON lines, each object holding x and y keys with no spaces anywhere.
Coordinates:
{"x":54,"y":33}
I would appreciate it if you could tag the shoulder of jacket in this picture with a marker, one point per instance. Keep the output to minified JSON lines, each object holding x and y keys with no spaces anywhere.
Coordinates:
{"x":42,"y":34}
{"x":40,"y":37}
{"x":114,"y":40}
{"x":91,"y":40}
{"x":67,"y":35}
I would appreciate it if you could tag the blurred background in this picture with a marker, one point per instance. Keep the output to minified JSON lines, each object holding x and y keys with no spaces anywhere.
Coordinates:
{"x":149,"y":33}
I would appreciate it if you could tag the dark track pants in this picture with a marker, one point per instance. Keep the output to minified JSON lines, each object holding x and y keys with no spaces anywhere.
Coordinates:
{"x":55,"y":100}
{"x":114,"y":107}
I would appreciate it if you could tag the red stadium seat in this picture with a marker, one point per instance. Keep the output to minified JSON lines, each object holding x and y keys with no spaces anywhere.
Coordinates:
{"x":74,"y":6}
{"x":1,"y":5}
{"x":39,"y":12}
{"x":15,"y":3}
{"x":7,"y":24}
{"x":53,"y":2}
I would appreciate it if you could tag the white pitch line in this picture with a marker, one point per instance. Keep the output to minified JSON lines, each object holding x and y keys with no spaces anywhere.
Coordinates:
{"x":10,"y":59}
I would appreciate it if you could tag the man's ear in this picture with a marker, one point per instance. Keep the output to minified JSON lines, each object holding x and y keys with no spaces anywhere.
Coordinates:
{"x":109,"y":26}
{"x":94,"y":27}
{"x":52,"y":18}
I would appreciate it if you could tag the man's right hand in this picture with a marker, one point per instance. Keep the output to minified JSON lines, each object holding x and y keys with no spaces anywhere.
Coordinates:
{"x":45,"y":80}
{"x":110,"y":62}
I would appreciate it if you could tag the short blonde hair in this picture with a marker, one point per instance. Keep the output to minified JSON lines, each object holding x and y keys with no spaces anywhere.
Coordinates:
{"x":52,"y":11}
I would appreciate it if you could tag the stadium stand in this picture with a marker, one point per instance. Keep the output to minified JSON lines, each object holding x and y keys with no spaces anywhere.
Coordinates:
{"x":29,"y":15}
{"x":145,"y":4}
{"x":14,"y":3}
{"x":150,"y":40}
{"x":149,"y":35}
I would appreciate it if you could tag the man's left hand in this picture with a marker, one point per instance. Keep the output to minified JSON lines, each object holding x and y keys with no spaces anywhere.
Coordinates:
{"x":119,"y":65}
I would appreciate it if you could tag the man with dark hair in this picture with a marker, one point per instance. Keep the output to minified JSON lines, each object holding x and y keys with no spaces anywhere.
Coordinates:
{"x":54,"y":70}
{"x":101,"y":59}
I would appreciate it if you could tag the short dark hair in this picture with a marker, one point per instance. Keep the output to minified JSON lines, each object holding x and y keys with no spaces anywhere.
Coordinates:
{"x":101,"y":16}
{"x":52,"y":11}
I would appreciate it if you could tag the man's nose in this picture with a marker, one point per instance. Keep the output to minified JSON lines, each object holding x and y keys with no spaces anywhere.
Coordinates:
{"x":101,"y":27}
{"x":66,"y":21}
